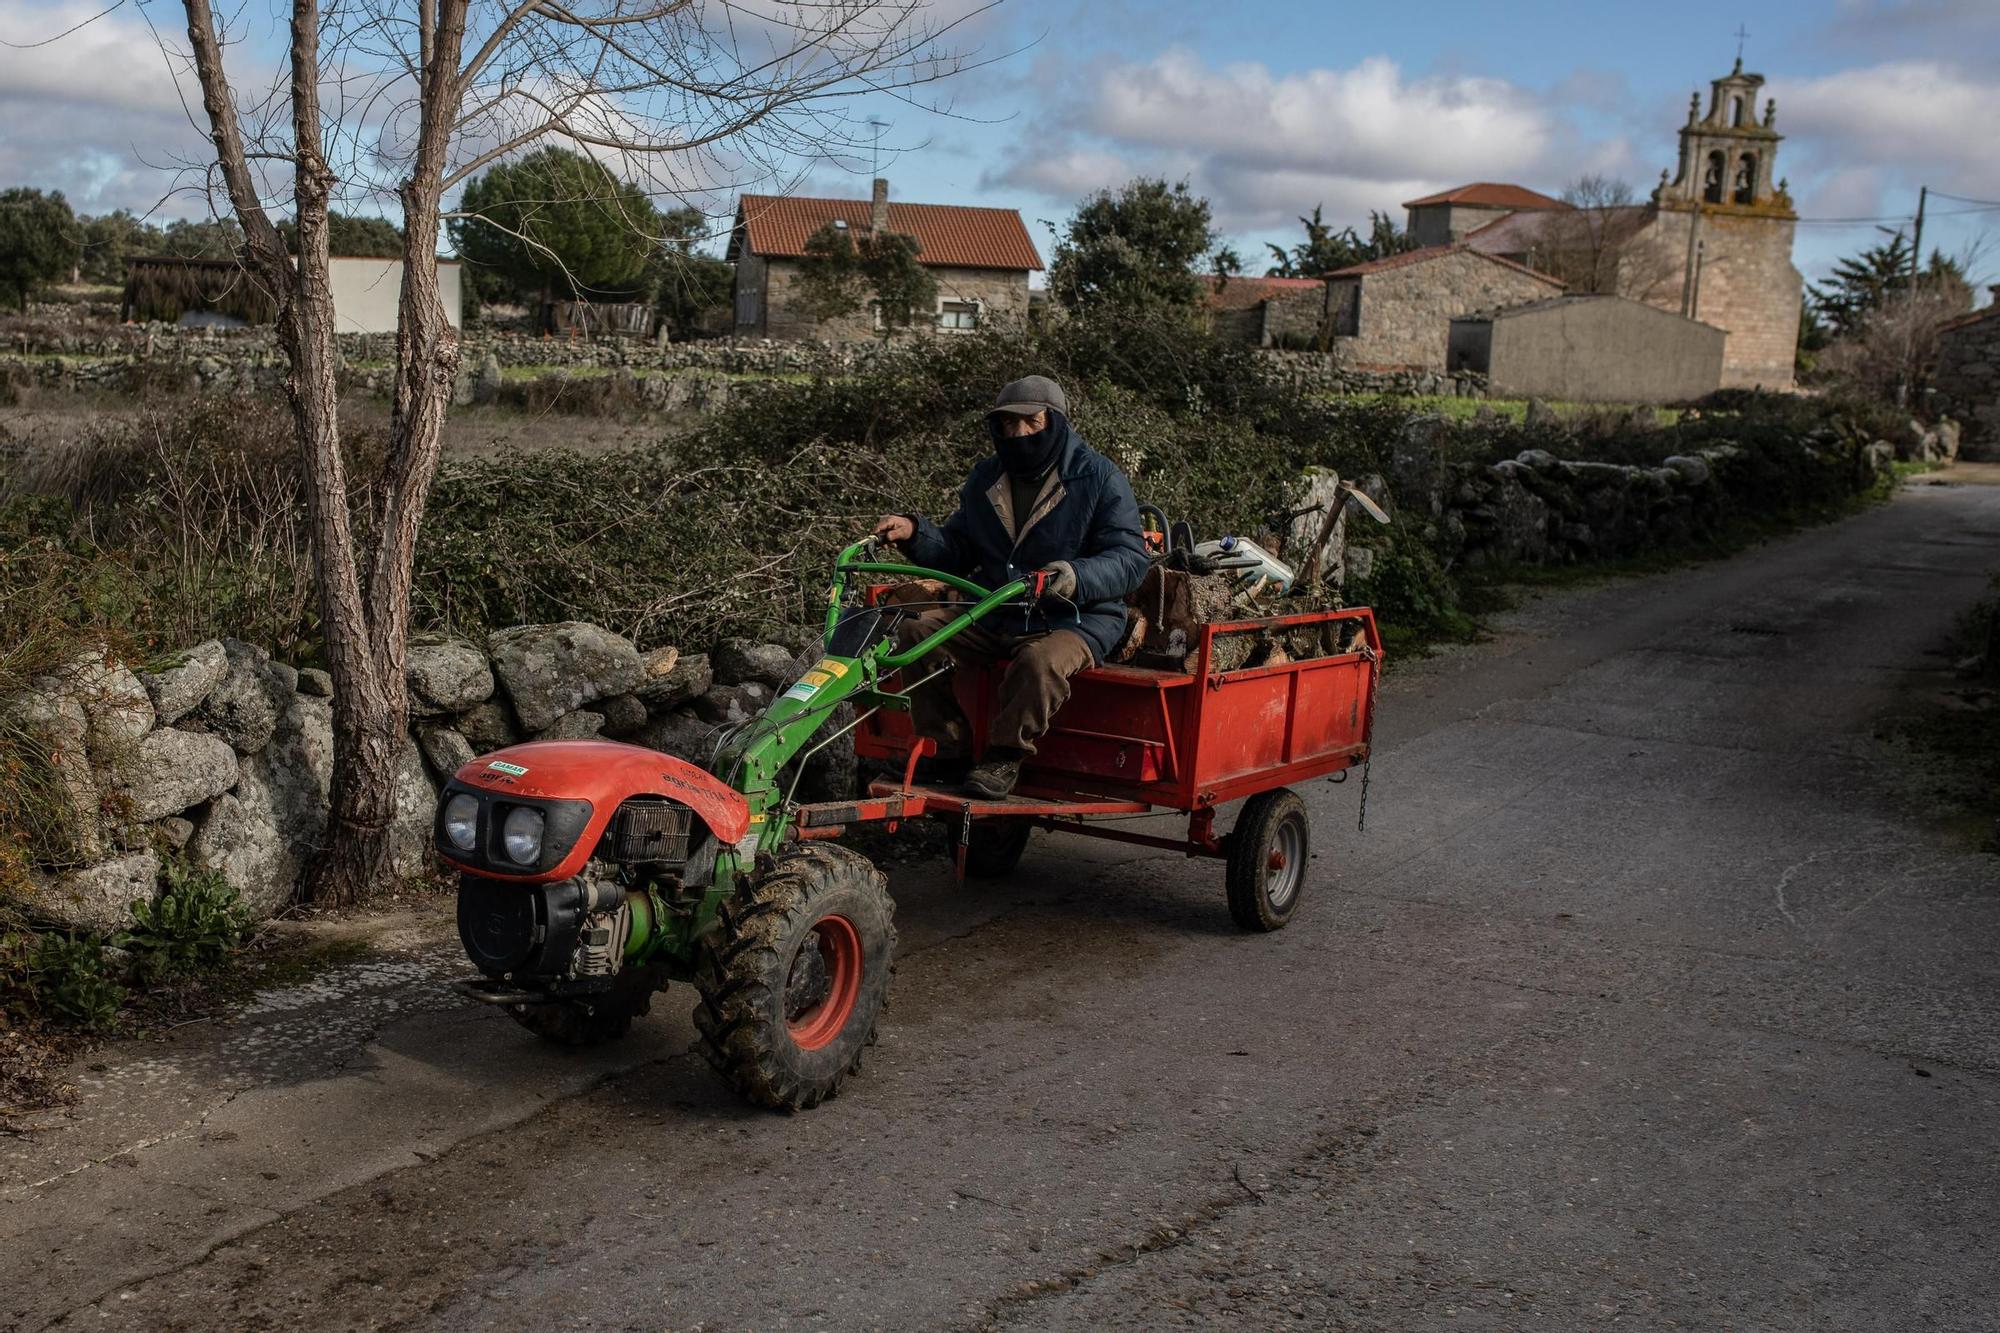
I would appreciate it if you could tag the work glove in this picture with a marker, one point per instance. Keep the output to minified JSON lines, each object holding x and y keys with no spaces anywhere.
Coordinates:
{"x":1061,"y":581}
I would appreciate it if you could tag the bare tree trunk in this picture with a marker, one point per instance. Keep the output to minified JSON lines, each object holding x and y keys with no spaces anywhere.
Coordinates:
{"x":365,"y":638}
{"x":371,"y":703}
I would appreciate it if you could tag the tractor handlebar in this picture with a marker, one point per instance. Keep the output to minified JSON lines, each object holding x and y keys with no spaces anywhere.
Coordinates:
{"x":861,"y":558}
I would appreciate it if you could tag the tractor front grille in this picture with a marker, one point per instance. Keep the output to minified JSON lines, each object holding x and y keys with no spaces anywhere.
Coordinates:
{"x":650,"y":829}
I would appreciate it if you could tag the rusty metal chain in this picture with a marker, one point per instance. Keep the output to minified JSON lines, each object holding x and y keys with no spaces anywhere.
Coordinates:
{"x":1374,"y":679}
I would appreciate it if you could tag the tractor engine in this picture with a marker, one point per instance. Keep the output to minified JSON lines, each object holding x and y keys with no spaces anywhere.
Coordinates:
{"x":565,"y":936}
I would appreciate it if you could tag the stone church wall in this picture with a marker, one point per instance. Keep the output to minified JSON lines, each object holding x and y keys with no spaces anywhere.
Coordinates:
{"x":1748,"y":287}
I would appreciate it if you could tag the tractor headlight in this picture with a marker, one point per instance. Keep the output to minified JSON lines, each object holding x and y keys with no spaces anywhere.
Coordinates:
{"x":523,"y":834}
{"x":461,"y":821}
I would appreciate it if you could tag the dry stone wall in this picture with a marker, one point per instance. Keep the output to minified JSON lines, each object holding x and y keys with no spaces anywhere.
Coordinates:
{"x":225,"y":757}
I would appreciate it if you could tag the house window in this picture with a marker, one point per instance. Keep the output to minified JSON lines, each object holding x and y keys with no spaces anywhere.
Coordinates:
{"x":958,"y":316}
{"x":746,"y":307}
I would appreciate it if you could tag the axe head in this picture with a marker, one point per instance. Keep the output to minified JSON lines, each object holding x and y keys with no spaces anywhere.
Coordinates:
{"x":1373,"y":510}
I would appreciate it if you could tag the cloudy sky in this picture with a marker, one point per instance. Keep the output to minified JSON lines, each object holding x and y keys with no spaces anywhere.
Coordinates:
{"x":1266,"y":108}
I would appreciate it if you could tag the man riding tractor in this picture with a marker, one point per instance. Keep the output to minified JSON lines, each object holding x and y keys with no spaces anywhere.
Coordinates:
{"x":1045,"y":503}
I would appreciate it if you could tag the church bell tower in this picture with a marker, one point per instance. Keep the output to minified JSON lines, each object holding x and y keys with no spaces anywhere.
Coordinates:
{"x":1717,"y":247}
{"x":1729,"y":156}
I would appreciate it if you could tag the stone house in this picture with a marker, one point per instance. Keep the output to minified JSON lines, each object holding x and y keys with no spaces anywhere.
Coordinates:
{"x":1712,"y":244}
{"x":1397,"y":310}
{"x":1447,"y":218}
{"x":1967,"y":381}
{"x":1268,"y":312}
{"x":981,"y":258}
{"x":1589,"y":348}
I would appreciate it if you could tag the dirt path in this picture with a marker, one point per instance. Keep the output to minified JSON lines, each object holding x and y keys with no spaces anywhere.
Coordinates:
{"x":1645,"y":997}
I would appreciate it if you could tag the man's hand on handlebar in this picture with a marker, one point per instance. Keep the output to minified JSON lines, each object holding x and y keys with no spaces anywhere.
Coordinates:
{"x":894,"y":528}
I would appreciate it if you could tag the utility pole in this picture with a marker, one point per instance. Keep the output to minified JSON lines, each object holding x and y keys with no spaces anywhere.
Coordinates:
{"x":1917,"y":242}
{"x":1906,"y":378}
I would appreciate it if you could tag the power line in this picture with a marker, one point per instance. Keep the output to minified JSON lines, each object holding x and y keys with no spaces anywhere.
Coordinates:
{"x":1900,"y":217}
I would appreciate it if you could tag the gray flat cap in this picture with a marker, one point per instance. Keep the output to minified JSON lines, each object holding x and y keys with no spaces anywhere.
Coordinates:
{"x":1025,"y":397}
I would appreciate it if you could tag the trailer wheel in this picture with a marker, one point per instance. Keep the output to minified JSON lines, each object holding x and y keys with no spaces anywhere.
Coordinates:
{"x":587,"y":1021}
{"x":995,"y":846}
{"x":794,"y":980}
{"x":1268,"y":853}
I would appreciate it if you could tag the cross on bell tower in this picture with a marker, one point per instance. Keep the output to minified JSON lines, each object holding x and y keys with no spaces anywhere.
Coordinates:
{"x":1728,"y":156}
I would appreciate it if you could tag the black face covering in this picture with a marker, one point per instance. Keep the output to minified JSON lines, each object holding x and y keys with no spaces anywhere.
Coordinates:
{"x":1024,"y":455}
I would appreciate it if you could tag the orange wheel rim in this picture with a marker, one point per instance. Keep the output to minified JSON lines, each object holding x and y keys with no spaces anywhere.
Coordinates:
{"x":839,"y":946}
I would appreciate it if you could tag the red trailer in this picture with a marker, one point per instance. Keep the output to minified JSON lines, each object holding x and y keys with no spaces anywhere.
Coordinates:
{"x":1134,"y":741}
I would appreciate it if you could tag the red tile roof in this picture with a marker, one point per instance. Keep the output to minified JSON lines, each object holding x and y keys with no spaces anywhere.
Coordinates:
{"x":952,"y":235}
{"x":1430,"y":252}
{"x":1487,"y":194}
{"x":1241,"y":293}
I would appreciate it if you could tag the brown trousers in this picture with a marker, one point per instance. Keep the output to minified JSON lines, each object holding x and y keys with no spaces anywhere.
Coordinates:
{"x":1035,"y":685}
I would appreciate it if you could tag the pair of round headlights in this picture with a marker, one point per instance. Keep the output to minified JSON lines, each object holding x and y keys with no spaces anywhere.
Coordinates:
{"x":520,"y":833}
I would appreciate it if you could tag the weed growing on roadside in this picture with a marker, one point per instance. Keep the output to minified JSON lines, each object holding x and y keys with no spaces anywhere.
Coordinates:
{"x":193,"y":927}
{"x":59,"y":977}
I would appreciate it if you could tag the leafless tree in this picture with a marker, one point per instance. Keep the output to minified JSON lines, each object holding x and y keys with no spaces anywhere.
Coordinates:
{"x":1584,"y":240}
{"x":378,"y":98}
{"x":1893,"y":353}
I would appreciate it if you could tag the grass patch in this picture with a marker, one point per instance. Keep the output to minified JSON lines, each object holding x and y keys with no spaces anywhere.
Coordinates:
{"x":1513,"y":411}
{"x":1950,"y":742}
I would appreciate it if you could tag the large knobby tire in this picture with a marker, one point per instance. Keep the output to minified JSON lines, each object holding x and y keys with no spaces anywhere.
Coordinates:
{"x":1268,"y":853}
{"x":589,"y":1019}
{"x":995,"y":846}
{"x":793,"y":981}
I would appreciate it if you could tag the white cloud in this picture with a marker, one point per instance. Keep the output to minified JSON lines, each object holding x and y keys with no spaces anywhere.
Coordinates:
{"x":1368,"y":121}
{"x":1912,"y":114}
{"x":114,"y":62}
{"x":1266,"y":146}
{"x":95,"y":113}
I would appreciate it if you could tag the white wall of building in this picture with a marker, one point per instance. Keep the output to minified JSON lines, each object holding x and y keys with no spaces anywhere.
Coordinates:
{"x":365,"y":292}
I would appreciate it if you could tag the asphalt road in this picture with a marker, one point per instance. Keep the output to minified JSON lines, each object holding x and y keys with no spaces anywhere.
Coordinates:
{"x":1650,"y":997}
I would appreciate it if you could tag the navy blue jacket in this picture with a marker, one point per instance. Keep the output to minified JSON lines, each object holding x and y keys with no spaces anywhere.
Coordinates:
{"x":1089,"y":519}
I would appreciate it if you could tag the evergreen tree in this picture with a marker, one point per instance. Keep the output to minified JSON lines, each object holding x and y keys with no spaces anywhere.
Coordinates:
{"x":1862,"y":284}
{"x":1325,"y":249}
{"x":557,"y":224}
{"x":686,"y":283}
{"x":208,"y":238}
{"x":109,"y":240}
{"x":38,"y":241}
{"x":349,"y":234}
{"x":1139,"y":247}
